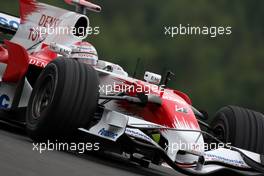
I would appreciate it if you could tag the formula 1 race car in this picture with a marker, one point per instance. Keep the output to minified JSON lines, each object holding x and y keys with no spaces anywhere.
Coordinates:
{"x":54,"y":84}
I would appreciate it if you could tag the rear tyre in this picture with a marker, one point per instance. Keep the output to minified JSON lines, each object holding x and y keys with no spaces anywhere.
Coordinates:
{"x":241,"y":127}
{"x":63,"y":99}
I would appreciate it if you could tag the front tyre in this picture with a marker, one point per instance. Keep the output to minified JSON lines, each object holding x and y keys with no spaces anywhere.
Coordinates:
{"x":241,"y":127}
{"x":63,"y":99}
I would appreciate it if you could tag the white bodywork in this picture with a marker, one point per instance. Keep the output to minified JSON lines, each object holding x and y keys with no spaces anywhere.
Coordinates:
{"x":50,"y":24}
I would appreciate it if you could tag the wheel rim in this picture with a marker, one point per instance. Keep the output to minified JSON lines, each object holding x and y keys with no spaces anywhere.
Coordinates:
{"x":43,"y":96}
{"x":220,"y":133}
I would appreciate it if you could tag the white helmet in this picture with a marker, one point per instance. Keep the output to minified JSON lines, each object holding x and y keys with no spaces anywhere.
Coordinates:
{"x":84,"y":52}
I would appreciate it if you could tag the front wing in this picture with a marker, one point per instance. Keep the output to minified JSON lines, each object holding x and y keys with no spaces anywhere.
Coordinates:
{"x":113,"y":125}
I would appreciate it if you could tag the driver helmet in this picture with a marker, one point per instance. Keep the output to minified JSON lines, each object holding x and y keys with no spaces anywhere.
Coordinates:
{"x":84,"y":52}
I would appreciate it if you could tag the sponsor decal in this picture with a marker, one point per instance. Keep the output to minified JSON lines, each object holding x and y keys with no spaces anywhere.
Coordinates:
{"x":107,"y":133}
{"x":9,"y":23}
{"x":38,"y":62}
{"x":4,"y":101}
{"x":225,"y":160}
{"x":48,"y":21}
{"x":45,"y":21}
{"x":138,"y":134}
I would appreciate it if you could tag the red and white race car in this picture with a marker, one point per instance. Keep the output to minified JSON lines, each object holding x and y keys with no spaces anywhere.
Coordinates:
{"x":54,"y":84}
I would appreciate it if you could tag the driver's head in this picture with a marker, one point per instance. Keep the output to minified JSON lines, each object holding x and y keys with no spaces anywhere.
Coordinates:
{"x":85,"y":52}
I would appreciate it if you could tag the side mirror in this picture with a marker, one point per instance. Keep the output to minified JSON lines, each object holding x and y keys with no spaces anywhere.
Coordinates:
{"x":152,"y":78}
{"x":203,"y":115}
{"x":168,"y":77}
{"x":83,"y":5}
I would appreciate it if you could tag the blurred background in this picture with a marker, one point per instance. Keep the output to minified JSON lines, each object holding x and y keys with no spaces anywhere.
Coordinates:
{"x":213,"y":71}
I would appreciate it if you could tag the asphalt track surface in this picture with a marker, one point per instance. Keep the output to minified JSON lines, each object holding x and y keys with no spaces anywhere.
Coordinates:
{"x":17,"y":158}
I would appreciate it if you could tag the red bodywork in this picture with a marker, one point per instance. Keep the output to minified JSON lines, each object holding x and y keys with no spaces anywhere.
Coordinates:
{"x":174,"y":112}
{"x":16,"y":57}
{"x":18,"y":60}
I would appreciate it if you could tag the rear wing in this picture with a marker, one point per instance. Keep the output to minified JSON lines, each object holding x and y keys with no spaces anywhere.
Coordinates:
{"x":8,"y":24}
